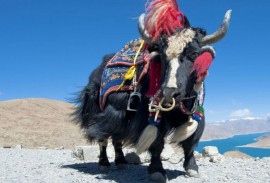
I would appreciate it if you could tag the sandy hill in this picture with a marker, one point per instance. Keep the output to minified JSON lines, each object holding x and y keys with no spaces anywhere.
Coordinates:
{"x":236,"y":154}
{"x":263,"y":142}
{"x":37,"y":123}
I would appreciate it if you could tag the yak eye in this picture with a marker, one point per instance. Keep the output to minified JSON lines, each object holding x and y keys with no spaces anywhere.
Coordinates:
{"x":192,"y":55}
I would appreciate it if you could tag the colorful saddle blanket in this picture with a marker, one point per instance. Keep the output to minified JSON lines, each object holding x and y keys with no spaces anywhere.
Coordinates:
{"x":117,"y":67}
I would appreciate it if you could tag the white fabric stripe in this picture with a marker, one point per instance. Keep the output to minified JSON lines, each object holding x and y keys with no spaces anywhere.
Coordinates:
{"x":174,"y":65}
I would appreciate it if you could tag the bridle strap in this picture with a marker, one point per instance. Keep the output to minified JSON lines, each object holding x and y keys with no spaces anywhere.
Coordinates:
{"x":186,"y":110}
{"x":156,"y":104}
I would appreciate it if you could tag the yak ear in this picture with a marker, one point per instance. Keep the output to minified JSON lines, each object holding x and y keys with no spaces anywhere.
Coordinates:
{"x":187,"y":24}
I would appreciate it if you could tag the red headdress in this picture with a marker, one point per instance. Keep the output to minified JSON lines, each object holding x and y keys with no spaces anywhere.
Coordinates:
{"x":163,"y":16}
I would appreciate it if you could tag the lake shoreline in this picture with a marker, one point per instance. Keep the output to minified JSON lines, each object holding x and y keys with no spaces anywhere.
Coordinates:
{"x":224,"y":138}
{"x":243,"y":143}
{"x":257,"y":147}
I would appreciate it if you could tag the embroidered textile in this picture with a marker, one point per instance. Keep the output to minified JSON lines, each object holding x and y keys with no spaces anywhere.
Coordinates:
{"x":117,"y":67}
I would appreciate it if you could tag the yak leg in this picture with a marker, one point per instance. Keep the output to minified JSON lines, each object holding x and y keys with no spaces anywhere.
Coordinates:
{"x":120,"y":160}
{"x":155,"y":169}
{"x":103,"y":159}
{"x":189,"y":145}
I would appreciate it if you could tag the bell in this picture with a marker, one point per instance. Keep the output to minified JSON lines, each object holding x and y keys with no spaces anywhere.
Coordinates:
{"x":133,"y":101}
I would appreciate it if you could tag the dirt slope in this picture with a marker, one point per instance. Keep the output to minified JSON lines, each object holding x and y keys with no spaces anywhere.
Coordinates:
{"x":38,"y":122}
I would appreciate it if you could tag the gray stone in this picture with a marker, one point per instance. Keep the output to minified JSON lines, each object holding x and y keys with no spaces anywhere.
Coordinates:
{"x":77,"y":152}
{"x":90,"y":153}
{"x":209,"y":151}
{"x":60,"y":148}
{"x":19,"y":146}
{"x":6,"y":147}
{"x":217,"y":158}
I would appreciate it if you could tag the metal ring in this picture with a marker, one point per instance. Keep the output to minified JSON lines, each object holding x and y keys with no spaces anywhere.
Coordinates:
{"x":166,"y":109}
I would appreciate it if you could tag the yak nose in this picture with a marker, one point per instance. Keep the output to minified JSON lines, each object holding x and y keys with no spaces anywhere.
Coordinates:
{"x":169,"y":93}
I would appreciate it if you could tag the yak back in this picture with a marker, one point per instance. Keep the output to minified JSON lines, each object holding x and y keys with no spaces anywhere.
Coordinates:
{"x":88,"y":99}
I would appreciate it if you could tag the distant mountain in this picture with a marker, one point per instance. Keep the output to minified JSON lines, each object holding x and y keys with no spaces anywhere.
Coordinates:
{"x":233,"y":127}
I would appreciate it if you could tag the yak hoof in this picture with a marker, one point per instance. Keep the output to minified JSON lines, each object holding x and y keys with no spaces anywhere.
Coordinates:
{"x":103,"y":169}
{"x":122,"y":166}
{"x":133,"y":158}
{"x":193,"y":173}
{"x":158,"y":177}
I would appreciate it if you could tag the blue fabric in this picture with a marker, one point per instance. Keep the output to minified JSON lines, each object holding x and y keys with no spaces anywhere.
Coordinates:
{"x":151,"y":120}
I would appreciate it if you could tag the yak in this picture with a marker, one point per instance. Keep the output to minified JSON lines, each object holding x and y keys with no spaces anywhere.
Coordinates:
{"x":155,"y":94}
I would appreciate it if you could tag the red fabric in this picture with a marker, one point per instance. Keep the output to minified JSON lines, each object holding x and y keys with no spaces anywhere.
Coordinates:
{"x":167,"y":20}
{"x":201,"y":65}
{"x":154,"y":77}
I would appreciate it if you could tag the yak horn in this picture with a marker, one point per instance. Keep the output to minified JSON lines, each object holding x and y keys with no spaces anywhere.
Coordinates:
{"x":221,"y":32}
{"x":143,"y":32}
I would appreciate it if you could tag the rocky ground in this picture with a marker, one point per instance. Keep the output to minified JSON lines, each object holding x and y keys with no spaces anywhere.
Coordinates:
{"x":57,"y":166}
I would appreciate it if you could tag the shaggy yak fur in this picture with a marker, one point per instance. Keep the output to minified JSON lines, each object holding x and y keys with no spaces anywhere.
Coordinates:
{"x":125,"y":127}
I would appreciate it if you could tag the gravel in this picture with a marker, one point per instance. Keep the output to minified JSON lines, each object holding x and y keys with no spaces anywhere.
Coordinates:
{"x":57,"y":166}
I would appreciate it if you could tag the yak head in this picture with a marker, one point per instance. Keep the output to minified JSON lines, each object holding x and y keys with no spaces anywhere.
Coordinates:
{"x":184,"y":51}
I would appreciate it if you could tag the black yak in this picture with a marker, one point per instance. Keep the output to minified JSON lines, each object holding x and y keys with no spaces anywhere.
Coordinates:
{"x":160,"y":93}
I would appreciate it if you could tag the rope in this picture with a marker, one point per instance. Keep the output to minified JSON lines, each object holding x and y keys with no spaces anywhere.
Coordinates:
{"x":130,"y":73}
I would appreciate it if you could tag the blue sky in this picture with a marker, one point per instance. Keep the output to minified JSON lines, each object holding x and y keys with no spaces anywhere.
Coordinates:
{"x":49,"y":47}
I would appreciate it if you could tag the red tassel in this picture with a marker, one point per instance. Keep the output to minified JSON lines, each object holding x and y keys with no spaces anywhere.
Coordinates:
{"x":201,"y":65}
{"x":166,"y":17}
{"x":154,"y":77}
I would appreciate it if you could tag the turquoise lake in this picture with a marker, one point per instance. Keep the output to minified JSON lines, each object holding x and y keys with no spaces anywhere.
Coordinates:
{"x":231,"y":144}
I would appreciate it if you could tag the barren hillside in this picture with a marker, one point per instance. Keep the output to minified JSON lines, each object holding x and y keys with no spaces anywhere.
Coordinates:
{"x":263,"y":142}
{"x":37,"y":123}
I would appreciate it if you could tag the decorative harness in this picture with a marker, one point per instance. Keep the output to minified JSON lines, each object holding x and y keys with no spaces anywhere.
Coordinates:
{"x":196,"y":112}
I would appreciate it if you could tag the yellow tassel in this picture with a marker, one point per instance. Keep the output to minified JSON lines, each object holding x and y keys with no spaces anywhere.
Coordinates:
{"x":128,"y":76}
{"x":130,"y":73}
